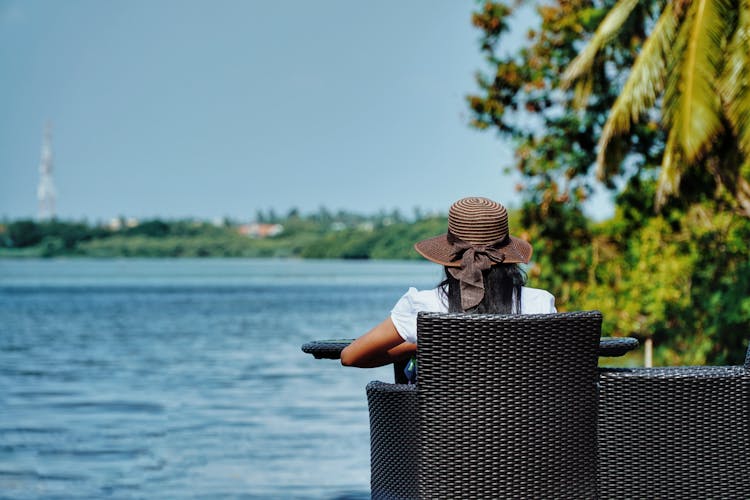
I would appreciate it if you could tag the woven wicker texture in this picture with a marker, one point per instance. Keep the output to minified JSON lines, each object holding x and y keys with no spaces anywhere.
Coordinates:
{"x":615,"y":346}
{"x":507,"y":405}
{"x":675,"y":433}
{"x":393,"y":440}
{"x":326,"y":349}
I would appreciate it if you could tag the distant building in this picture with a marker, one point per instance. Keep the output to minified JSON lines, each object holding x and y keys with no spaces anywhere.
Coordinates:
{"x":118,"y":223}
{"x":258,"y":230}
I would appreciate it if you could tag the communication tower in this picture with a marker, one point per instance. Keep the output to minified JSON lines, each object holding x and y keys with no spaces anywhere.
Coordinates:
{"x":45,"y":192}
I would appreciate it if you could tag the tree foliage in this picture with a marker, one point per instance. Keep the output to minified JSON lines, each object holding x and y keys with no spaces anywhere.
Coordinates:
{"x":341,"y":235}
{"x":694,"y":71}
{"x":676,"y":272}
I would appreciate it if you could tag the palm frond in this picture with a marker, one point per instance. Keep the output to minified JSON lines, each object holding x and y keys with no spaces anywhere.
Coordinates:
{"x":644,"y":84}
{"x":743,"y":197}
{"x":734,"y":84}
{"x":584,"y":87}
{"x":670,"y":174}
{"x":744,"y":187}
{"x":606,"y":31}
{"x":692,"y":107}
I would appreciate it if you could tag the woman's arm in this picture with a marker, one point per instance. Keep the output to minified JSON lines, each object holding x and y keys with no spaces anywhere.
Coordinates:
{"x":380,"y":346}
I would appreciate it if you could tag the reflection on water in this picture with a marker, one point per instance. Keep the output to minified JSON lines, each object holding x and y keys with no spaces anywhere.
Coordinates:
{"x":184,"y":378}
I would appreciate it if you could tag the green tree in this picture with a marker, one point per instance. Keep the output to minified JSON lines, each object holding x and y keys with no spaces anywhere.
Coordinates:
{"x":674,"y":272}
{"x":154,"y":228}
{"x":24,"y":233}
{"x":554,"y":139}
{"x":66,"y":236}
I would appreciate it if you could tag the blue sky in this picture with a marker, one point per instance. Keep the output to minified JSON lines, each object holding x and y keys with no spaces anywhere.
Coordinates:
{"x":210,"y":109}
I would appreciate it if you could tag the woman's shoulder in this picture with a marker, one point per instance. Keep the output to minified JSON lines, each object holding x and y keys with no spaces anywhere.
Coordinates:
{"x":536,"y":300}
{"x":432,"y":300}
{"x":527,"y":291}
{"x":404,"y":313}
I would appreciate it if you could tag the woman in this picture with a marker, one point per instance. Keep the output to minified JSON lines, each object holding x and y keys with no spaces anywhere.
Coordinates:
{"x":481,"y":276}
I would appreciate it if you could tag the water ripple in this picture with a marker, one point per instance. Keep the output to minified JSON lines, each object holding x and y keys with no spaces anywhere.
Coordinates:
{"x":98,"y":454}
{"x":31,"y":475}
{"x":111,"y":406}
{"x":184,"y":379}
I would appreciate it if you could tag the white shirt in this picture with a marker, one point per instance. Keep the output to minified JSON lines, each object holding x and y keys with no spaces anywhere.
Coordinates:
{"x":404,"y":313}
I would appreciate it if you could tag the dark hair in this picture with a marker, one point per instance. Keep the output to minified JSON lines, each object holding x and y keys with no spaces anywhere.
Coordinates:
{"x":502,"y":290}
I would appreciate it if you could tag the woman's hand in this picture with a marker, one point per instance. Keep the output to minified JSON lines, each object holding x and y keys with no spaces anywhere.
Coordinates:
{"x":380,"y":346}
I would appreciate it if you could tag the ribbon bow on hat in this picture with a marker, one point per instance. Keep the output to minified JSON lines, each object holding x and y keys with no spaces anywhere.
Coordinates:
{"x":477,"y":239}
{"x":474,"y":260}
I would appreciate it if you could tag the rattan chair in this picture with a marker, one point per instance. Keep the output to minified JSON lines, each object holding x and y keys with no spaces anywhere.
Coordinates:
{"x":505,"y":408}
{"x":679,"y":432}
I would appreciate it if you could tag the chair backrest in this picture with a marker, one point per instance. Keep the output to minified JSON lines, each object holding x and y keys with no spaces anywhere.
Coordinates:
{"x":681,"y":432}
{"x":508,"y":405}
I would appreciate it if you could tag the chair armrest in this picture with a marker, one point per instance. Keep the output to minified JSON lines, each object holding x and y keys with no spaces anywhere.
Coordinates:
{"x":393,"y":440}
{"x":674,"y":372}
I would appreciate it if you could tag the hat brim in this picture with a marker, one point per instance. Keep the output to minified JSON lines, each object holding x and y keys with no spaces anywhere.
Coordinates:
{"x":440,"y":251}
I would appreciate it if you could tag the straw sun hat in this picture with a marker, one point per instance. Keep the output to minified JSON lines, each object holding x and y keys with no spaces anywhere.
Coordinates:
{"x":476,"y":222}
{"x":477,"y":239}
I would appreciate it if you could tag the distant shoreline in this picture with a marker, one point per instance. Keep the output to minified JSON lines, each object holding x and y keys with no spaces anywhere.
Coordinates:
{"x":318,"y":236}
{"x":23,"y":255}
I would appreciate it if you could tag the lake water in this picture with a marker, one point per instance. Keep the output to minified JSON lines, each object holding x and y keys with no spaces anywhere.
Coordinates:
{"x":184,"y":378}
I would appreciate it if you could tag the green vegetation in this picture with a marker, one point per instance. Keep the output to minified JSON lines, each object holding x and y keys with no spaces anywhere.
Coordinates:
{"x":320,"y":236}
{"x":661,"y":114}
{"x":696,"y":64}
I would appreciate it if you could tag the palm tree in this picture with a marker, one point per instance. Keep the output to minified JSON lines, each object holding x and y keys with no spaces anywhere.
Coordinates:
{"x":694,"y":68}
